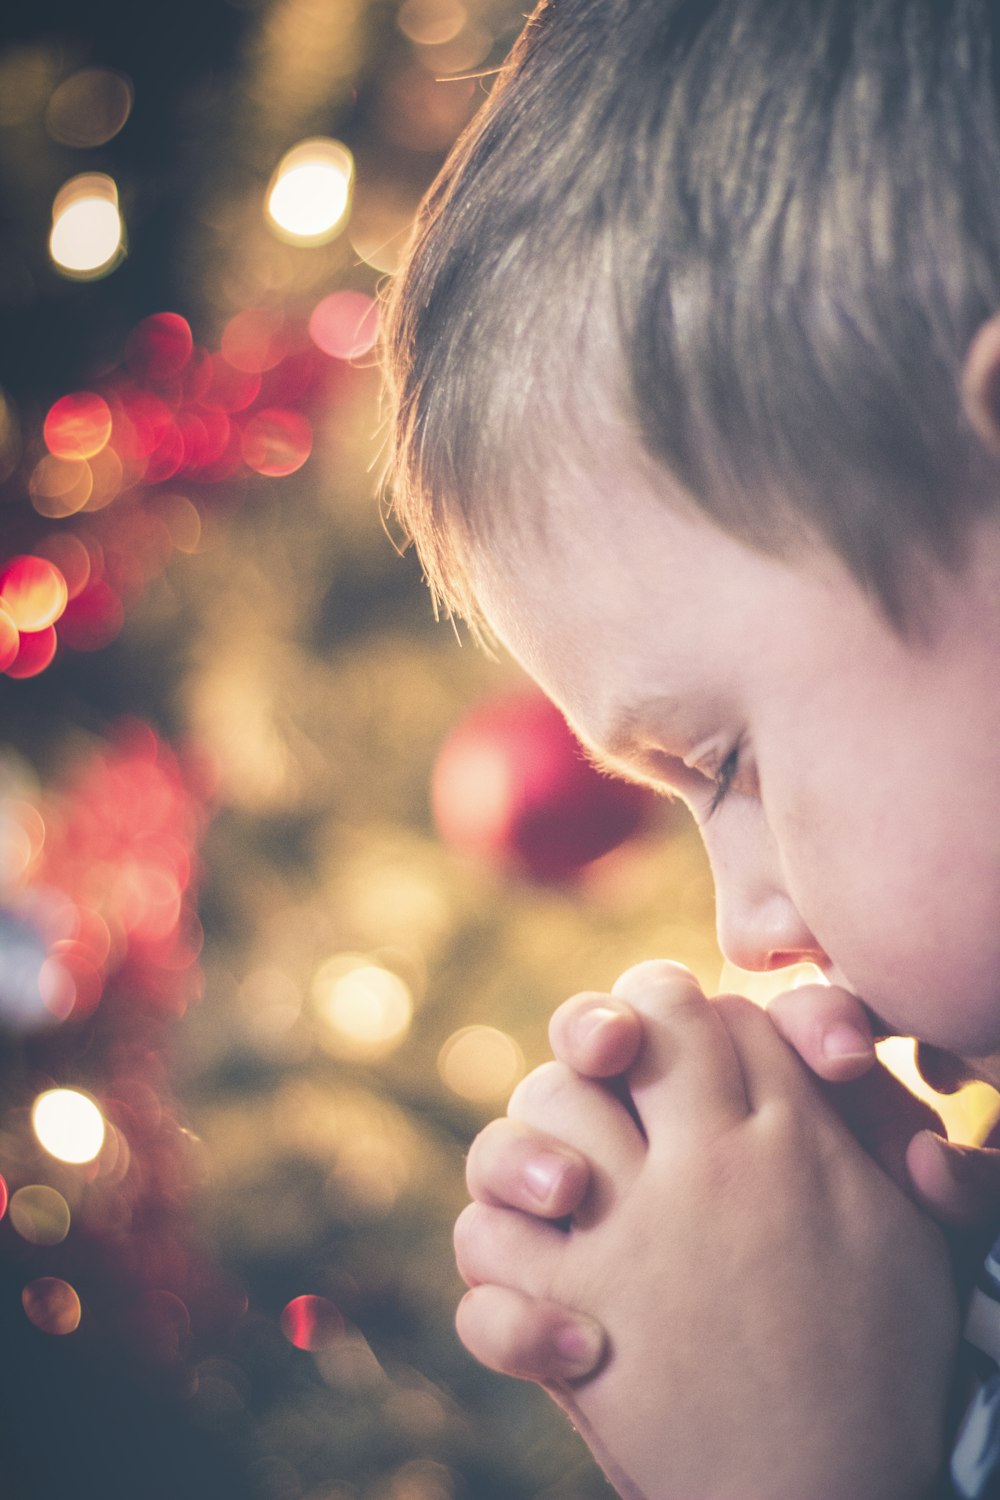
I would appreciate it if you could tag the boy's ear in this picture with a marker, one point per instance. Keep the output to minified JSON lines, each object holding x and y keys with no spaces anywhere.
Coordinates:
{"x":981,"y":384}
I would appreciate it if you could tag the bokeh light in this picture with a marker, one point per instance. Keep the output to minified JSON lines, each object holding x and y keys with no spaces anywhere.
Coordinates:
{"x":88,"y":235}
{"x":36,"y":650}
{"x":52,"y":1305}
{"x":311,"y":1322}
{"x":431,"y":23}
{"x":89,"y":107}
{"x":70,"y":555}
{"x":68,"y":1124}
{"x":159,"y":347}
{"x":345,"y":324}
{"x":77,"y":426}
{"x":366,"y":1009}
{"x":4,"y":1195}
{"x":253,"y":341}
{"x":481,"y":1063}
{"x":277,"y":442}
{"x":60,"y":487}
{"x":310,"y":191}
{"x":33,"y":592}
{"x":9,"y":638}
{"x":40,"y":1214}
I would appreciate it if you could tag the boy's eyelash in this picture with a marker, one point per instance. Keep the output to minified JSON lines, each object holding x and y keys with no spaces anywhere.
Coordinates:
{"x":724,"y":778}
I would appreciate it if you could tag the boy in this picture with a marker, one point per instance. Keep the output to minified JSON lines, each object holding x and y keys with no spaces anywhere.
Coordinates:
{"x":696,"y":370}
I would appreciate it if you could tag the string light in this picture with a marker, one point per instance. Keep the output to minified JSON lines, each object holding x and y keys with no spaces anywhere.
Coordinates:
{"x":310,"y":191}
{"x":366,"y":1009}
{"x":88,"y":236}
{"x":68,"y":1124}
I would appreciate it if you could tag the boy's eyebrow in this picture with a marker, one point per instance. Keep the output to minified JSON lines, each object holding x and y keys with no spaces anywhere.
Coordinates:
{"x":621,"y":737}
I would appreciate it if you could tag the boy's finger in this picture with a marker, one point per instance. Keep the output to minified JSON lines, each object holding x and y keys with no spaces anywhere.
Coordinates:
{"x":534,"y":1340}
{"x":512,"y":1165}
{"x":585,"y":1115}
{"x":688,"y":1071}
{"x":829,"y":1029}
{"x":509,"y":1248}
{"x":771,"y":1070}
{"x":956,"y":1184}
{"x":597,"y":1035}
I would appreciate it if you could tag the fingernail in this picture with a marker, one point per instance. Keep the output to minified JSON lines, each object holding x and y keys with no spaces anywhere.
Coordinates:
{"x":543,"y":1175}
{"x":846,"y":1041}
{"x":580,"y":1347}
{"x":592,"y":1020}
{"x":966,"y":1165}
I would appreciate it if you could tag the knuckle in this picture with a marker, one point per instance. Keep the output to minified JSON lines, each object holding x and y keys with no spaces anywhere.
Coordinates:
{"x":491,"y":1144}
{"x":535,"y":1094}
{"x":660,"y":981}
{"x":465,"y":1239}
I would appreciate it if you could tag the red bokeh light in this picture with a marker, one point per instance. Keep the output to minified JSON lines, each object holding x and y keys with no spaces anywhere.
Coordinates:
{"x":345,"y":324}
{"x":9,"y":639}
{"x":4,"y":1197}
{"x":33,"y":592}
{"x":277,"y":441}
{"x":311,"y":1322}
{"x":511,"y":786}
{"x":159,"y":347}
{"x":93,"y":617}
{"x":35,"y":651}
{"x":77,"y":426}
{"x":229,"y":389}
{"x":255,"y":340}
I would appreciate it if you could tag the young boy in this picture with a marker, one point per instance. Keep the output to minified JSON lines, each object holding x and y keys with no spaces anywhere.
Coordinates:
{"x":696,"y":372}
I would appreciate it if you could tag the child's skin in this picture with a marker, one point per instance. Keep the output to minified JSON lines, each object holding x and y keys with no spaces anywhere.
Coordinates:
{"x":764,"y":1289}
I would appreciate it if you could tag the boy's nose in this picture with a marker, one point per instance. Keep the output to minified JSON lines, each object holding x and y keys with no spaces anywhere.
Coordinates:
{"x":759,"y":926}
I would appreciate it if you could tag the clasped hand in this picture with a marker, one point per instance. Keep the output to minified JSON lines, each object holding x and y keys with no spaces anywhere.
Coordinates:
{"x":694,"y":1254}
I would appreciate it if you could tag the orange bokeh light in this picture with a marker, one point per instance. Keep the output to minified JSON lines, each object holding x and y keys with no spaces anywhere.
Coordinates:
{"x":33,"y":592}
{"x":9,"y":639}
{"x":77,"y":426}
{"x":277,"y":441}
{"x":52,"y":1305}
{"x":60,"y":487}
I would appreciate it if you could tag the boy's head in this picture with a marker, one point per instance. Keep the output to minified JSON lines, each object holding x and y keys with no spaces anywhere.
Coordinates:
{"x":756,"y":236}
{"x":694,"y":346}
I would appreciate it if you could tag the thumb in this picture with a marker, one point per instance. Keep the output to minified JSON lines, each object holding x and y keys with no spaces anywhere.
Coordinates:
{"x":956,"y":1184}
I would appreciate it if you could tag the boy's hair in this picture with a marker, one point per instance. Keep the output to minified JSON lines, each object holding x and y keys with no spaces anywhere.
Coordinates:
{"x":757,"y":235}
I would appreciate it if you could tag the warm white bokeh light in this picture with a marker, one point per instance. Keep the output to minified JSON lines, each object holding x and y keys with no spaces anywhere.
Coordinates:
{"x":87,"y":237}
{"x":68,"y":1124}
{"x":366,"y":1009}
{"x":310,"y":191}
{"x":481,"y":1063}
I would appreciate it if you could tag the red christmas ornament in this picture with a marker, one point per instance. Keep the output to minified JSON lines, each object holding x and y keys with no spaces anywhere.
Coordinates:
{"x":511,"y":786}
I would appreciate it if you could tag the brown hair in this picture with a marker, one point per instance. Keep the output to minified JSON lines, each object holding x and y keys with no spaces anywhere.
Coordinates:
{"x":758,"y":234}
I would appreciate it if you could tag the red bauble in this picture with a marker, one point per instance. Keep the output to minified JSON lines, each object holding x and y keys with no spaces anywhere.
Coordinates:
{"x":511,"y":786}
